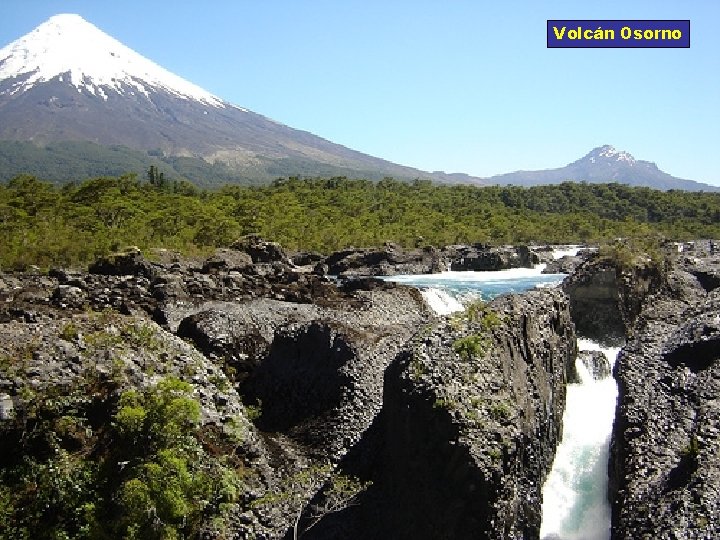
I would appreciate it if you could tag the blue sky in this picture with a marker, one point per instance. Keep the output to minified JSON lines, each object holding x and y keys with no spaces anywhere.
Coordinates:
{"x":460,"y":86}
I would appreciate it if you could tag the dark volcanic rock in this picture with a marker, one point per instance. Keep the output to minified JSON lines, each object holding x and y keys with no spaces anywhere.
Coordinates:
{"x":227,"y":260}
{"x":313,"y":352}
{"x":606,"y":299}
{"x":221,"y":337}
{"x":127,"y":263}
{"x":702,"y":260}
{"x":307,"y":258}
{"x":306,"y":365}
{"x":481,"y":257}
{"x":665,"y":453}
{"x":595,"y":302}
{"x":563,"y":265}
{"x":316,"y":369}
{"x":68,"y":296}
{"x":463,"y":443}
{"x":387,"y":261}
{"x":455,"y":421}
{"x":392,"y":260}
{"x":261,"y":251}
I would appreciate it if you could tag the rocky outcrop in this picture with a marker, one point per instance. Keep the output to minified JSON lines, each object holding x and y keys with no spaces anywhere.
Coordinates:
{"x":129,"y":262}
{"x":65,"y":374}
{"x":261,"y":251}
{"x":392,"y":259}
{"x":312,"y":370}
{"x":471,"y":416}
{"x":455,"y":421}
{"x":595,"y":302}
{"x":482,"y":257}
{"x":665,"y":453}
{"x":702,"y":260}
{"x":170,"y":290}
{"x":564,"y":265}
{"x":387,"y":261}
{"x":327,"y":363}
{"x":607,"y":297}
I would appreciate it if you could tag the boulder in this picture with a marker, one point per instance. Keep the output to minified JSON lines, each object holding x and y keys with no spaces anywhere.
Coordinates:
{"x":389,"y":260}
{"x":480,"y":257}
{"x":307,"y":258}
{"x":130,"y":262}
{"x":67,"y":296}
{"x":261,"y":251}
{"x":563,"y":265}
{"x":226,"y":260}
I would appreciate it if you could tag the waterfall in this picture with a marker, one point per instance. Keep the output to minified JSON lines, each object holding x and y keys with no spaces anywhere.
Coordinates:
{"x":440,"y":301}
{"x":575,"y":505}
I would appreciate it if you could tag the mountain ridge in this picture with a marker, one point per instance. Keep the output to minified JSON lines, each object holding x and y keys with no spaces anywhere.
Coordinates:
{"x":54,"y":88}
{"x":603,"y":164}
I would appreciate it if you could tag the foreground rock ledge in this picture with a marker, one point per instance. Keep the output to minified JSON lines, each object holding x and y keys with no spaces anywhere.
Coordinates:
{"x":455,"y":421}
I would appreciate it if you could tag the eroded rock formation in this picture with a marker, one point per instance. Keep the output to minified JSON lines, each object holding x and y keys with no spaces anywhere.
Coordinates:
{"x":665,"y":453}
{"x":471,"y":416}
{"x":455,"y":421}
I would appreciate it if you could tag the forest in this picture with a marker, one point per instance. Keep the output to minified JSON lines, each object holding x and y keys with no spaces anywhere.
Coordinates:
{"x":48,"y":225}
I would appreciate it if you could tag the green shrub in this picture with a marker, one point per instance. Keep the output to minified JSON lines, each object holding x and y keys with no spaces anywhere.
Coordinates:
{"x":173,"y":483}
{"x":500,"y":410}
{"x":475,"y":310}
{"x":445,"y":403}
{"x":490,"y":320}
{"x":69,"y":332}
{"x":692,"y":449}
{"x":253,"y":412}
{"x":471,"y":346}
{"x":161,"y":417}
{"x":141,"y":336}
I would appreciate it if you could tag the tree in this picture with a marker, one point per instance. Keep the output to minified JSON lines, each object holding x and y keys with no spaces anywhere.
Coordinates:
{"x":156,"y":178}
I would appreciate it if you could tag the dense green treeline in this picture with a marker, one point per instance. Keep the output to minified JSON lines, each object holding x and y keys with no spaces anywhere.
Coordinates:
{"x":73,"y":224}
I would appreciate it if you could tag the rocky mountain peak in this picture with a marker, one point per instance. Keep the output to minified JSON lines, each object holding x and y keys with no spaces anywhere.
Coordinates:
{"x":609,"y":153}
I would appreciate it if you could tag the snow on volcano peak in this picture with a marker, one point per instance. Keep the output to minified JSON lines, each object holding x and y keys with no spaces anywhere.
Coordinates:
{"x":619,"y":155}
{"x":67,"y":45}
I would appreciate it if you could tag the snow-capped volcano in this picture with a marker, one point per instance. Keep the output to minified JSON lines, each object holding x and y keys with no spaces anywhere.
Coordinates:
{"x":69,"y":81}
{"x":68,"y":47}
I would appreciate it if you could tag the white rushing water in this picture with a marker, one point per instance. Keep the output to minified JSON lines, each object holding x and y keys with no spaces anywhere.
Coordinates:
{"x":575,"y":505}
{"x":441,"y":302}
{"x":566,"y":251}
{"x":462,"y":287}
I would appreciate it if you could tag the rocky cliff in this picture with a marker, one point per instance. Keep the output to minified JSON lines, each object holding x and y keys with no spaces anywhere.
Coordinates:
{"x":302,"y":383}
{"x":665,"y":452}
{"x":303,"y":354}
{"x":471,"y":416}
{"x":607,"y":296}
